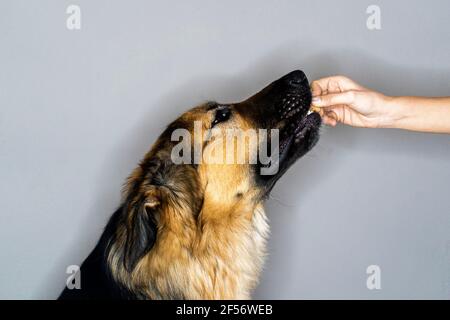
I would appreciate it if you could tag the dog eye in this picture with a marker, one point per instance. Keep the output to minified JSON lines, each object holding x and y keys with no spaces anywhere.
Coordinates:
{"x":222,"y":114}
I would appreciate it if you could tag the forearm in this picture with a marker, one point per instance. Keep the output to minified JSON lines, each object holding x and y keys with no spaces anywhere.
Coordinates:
{"x":420,"y":114}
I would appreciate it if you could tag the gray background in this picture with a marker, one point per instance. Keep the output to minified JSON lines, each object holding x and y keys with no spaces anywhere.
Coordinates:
{"x":78,"y":109}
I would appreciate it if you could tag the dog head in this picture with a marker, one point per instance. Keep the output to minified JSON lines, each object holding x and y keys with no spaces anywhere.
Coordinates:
{"x":193,"y":176}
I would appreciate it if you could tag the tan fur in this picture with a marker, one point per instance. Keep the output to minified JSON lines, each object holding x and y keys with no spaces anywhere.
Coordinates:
{"x":216,"y":253}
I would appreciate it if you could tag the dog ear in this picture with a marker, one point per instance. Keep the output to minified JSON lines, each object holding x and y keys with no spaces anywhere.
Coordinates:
{"x":141,"y":228}
{"x":147,"y":195}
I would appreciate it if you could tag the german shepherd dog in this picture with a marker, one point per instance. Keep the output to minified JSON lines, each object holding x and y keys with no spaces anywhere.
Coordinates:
{"x":198,"y":231}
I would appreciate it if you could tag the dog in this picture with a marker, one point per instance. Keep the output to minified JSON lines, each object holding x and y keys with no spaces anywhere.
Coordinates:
{"x":198,"y":230}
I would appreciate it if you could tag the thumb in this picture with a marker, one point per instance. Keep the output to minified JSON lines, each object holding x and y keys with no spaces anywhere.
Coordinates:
{"x":333,"y":99}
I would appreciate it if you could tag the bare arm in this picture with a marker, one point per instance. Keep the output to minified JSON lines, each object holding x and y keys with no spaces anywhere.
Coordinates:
{"x":421,"y":114}
{"x":342,"y":100}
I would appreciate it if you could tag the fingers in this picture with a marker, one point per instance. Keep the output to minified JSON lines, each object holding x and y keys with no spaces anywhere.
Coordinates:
{"x":333,"y":84}
{"x":318,"y":88}
{"x":337,"y":114}
{"x":329,"y":121}
{"x":343,"y":114}
{"x":329,"y":117}
{"x":332,"y":99}
{"x":340,"y":99}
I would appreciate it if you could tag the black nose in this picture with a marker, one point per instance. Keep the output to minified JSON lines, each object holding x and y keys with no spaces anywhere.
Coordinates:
{"x":296,"y":78}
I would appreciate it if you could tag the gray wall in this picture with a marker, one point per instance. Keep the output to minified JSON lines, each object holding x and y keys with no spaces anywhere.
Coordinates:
{"x":78,"y":109}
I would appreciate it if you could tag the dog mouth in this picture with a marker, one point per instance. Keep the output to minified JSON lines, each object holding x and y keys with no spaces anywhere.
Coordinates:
{"x":299,"y":132}
{"x":298,"y":125}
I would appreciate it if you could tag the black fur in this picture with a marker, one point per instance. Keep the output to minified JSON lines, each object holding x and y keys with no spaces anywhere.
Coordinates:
{"x":96,"y":279}
{"x":141,"y":235}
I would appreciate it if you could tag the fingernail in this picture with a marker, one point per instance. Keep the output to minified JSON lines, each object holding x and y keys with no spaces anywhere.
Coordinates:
{"x":315,"y":100}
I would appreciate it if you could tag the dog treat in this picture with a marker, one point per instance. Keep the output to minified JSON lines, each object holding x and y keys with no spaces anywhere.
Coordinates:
{"x":314,"y":109}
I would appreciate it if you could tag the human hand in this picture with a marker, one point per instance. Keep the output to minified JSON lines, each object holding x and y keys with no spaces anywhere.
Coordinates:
{"x":340,"y":99}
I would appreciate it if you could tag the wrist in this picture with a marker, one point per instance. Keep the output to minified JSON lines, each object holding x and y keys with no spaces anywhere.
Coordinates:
{"x":398,"y":114}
